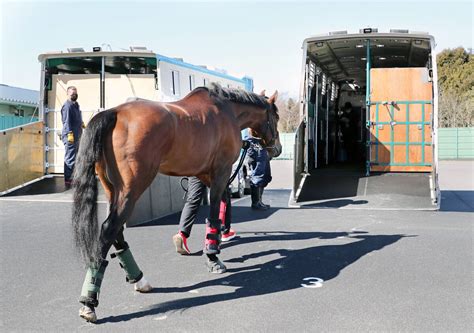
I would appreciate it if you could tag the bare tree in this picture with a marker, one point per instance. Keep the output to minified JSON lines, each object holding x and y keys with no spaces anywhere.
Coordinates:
{"x":455,"y":110}
{"x":289,"y":113}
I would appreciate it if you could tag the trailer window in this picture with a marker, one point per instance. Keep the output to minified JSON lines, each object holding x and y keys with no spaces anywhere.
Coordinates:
{"x":175,"y":83}
{"x":191,"y":82}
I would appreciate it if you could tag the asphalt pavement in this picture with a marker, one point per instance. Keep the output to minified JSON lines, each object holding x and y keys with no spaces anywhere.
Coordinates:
{"x":290,"y":270}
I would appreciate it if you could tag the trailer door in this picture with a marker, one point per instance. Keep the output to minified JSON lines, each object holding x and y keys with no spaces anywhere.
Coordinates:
{"x":400,"y":120}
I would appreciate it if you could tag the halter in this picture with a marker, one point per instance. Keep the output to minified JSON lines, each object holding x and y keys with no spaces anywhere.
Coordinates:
{"x":270,"y":127}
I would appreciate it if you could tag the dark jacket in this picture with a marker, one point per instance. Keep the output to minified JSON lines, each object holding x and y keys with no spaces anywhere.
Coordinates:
{"x":72,"y":119}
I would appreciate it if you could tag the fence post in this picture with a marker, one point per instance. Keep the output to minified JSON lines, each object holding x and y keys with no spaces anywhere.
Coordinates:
{"x":457,"y":143}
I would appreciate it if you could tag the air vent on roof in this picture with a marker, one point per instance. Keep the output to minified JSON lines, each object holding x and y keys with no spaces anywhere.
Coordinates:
{"x":138,"y":49}
{"x":340,"y":32}
{"x":179,"y":59}
{"x":368,"y":30}
{"x":400,"y":31}
{"x":75,"y":49}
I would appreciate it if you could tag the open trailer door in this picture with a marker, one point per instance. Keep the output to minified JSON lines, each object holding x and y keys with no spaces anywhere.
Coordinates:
{"x":383,"y":155}
{"x":400,"y":120}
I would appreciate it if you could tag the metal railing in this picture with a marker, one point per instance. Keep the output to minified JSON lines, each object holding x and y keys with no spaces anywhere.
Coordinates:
{"x":7,"y":122}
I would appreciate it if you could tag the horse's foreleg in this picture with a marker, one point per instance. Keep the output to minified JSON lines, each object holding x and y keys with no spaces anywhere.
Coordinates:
{"x":126,"y":260}
{"x":213,"y":223}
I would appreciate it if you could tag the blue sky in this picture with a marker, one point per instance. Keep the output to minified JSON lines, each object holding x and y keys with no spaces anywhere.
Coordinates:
{"x":260,"y":39}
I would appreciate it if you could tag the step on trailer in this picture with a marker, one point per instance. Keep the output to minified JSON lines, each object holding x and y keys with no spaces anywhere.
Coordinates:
{"x":383,"y":153}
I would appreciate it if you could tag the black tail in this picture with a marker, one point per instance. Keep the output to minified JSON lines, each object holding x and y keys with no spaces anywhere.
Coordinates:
{"x":84,"y":212}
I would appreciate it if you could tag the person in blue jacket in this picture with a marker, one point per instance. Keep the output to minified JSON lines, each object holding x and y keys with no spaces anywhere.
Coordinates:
{"x":260,"y":172}
{"x":72,"y":129}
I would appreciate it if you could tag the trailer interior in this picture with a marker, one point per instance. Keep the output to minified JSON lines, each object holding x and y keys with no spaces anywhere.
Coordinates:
{"x":366,"y":139}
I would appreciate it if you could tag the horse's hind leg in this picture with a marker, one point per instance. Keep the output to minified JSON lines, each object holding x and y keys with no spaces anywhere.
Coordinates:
{"x":127,"y":262}
{"x":95,"y":272}
{"x":121,"y":203}
{"x":119,"y":213}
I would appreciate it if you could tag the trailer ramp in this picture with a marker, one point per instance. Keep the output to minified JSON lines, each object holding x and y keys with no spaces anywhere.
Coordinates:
{"x":349,"y":188}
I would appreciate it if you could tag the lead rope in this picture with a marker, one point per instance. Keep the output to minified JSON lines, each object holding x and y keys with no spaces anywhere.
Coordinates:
{"x":245,"y":147}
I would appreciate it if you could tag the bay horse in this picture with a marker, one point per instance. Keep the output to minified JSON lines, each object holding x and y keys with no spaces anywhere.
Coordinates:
{"x":128,"y":145}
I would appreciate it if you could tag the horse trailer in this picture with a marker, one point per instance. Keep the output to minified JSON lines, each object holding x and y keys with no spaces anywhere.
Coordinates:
{"x":104,"y":79}
{"x":368,"y":131}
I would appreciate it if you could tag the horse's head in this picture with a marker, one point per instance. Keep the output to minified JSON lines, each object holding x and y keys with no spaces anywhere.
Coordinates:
{"x":268,"y":129}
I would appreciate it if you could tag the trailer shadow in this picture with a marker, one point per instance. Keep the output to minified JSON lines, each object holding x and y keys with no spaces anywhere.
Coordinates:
{"x":241,"y":211}
{"x":457,"y":201}
{"x":273,"y":276}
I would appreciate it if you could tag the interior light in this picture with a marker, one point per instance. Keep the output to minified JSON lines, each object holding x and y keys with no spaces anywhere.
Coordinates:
{"x":359,"y":46}
{"x":382,"y":58}
{"x":363,"y":58}
{"x":319,"y":44}
{"x":380,"y":45}
{"x":417,"y":42}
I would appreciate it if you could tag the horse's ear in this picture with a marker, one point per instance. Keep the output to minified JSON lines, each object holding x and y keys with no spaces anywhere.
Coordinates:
{"x":273,"y":98}
{"x":262,"y":93}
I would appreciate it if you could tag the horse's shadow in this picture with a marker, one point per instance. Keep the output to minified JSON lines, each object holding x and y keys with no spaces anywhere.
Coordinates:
{"x":278,"y":275}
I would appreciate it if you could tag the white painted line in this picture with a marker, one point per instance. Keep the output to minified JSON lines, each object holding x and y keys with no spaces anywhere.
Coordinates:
{"x":366,"y":184}
{"x":237,"y":200}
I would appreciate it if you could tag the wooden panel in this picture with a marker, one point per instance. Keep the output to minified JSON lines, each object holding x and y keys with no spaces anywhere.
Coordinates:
{"x":399,"y":154}
{"x":394,"y":168}
{"x":401,"y":85}
{"x":21,"y":155}
{"x":88,"y":90}
{"x":400,"y":133}
{"x":120,"y":87}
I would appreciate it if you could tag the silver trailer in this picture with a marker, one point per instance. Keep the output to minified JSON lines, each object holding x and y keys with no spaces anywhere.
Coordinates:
{"x":369,"y":119}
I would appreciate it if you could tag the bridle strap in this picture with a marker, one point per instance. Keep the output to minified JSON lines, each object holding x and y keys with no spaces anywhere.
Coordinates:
{"x":270,"y":127}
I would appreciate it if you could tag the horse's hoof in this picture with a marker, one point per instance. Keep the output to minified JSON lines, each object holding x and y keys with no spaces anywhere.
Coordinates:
{"x":216,"y":267}
{"x":88,"y":314}
{"x":143,"y":286}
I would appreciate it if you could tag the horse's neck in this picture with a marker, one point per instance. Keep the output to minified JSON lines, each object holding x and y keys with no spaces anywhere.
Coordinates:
{"x":248,"y":115}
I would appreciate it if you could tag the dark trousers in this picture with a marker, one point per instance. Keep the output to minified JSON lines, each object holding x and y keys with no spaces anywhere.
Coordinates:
{"x":196,"y":192}
{"x":70,"y":150}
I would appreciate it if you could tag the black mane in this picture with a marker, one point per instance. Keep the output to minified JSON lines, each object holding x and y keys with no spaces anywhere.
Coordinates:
{"x":237,"y":96}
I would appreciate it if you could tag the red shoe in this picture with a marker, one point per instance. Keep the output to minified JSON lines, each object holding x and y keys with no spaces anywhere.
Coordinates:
{"x":228,"y":236}
{"x":181,"y":243}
